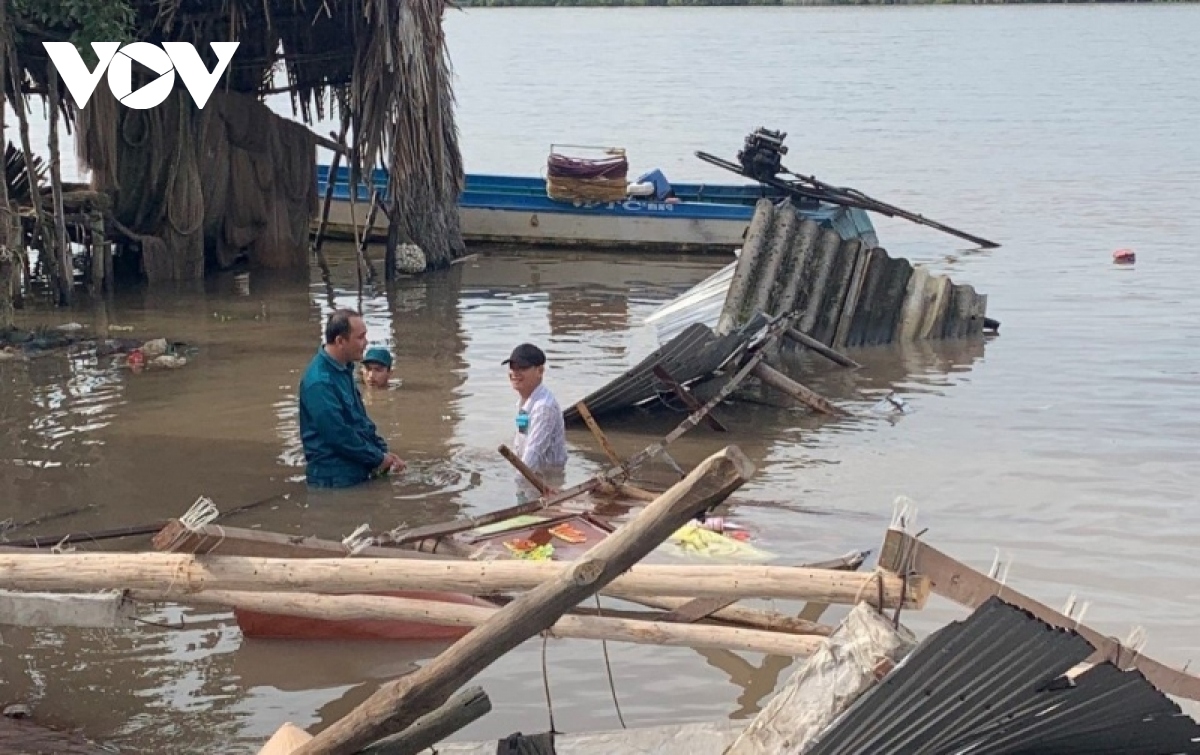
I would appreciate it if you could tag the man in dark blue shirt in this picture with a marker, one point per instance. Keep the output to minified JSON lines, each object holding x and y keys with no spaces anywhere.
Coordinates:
{"x":341,"y":444}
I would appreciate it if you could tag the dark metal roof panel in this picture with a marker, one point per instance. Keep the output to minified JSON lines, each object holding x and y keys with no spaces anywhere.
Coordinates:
{"x":993,"y":685}
{"x":697,"y":351}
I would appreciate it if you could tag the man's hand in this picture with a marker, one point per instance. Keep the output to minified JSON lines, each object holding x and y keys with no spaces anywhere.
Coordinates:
{"x":391,"y":463}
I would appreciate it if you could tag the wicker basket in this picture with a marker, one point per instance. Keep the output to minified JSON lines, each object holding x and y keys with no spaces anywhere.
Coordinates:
{"x":586,"y":189}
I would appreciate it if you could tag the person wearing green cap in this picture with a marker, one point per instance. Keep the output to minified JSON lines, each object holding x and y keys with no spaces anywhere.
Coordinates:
{"x":342,"y":447}
{"x":377,"y":367}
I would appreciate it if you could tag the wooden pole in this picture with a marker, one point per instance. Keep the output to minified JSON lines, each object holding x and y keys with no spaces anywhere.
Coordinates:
{"x":47,"y":257}
{"x":319,"y":236}
{"x":601,"y":438}
{"x":524,"y":469}
{"x":65,"y":265}
{"x":238,"y":541}
{"x":184,"y":574}
{"x":10,"y":224}
{"x":368,"y":226}
{"x":459,"y":711}
{"x":805,"y":395}
{"x":834,"y":356}
{"x":385,"y":608}
{"x":397,"y":704}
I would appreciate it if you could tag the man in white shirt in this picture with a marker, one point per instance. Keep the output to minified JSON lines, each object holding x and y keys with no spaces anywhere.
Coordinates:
{"x":541,"y":440}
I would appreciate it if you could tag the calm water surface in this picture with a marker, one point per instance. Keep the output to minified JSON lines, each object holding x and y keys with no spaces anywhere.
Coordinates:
{"x":1068,"y":442}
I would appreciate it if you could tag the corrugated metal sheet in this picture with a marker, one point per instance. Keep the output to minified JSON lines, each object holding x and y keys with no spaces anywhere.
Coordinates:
{"x":694,"y":353}
{"x":994,"y":684}
{"x":849,"y":291}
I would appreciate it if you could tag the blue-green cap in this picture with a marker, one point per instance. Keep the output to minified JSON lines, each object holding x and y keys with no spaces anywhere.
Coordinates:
{"x":380,"y":355}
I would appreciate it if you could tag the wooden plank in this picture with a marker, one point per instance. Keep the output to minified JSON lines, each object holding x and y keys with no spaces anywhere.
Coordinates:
{"x":960,"y":583}
{"x":237,"y":541}
{"x":396,"y":705}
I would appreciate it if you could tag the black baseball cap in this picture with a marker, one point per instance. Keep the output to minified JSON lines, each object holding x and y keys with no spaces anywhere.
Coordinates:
{"x":526,"y":355}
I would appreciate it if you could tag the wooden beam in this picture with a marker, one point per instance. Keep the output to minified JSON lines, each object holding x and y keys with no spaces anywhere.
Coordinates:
{"x":954,"y":580}
{"x":238,"y":541}
{"x":834,"y":356}
{"x":187,"y":574}
{"x":396,"y":705}
{"x":388,"y":608}
{"x":537,"y":482}
{"x":601,"y":438}
{"x":459,"y":711}
{"x":805,"y":395}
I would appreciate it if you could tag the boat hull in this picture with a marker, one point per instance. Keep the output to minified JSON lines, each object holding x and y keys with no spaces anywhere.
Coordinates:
{"x":515,"y":210}
{"x":255,"y":624}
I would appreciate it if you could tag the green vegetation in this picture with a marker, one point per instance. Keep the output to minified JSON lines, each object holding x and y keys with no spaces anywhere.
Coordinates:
{"x":79,"y":21}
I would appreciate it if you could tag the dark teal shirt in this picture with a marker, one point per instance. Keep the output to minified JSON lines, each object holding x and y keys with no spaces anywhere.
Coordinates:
{"x":341,"y":444}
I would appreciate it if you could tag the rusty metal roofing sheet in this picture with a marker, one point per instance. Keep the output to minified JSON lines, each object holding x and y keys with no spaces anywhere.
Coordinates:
{"x":994,"y":684}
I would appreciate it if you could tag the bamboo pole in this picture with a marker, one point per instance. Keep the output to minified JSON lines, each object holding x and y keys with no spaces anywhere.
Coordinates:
{"x":63,"y":249}
{"x":387,"y":608}
{"x":398,"y":704}
{"x":187,"y":574}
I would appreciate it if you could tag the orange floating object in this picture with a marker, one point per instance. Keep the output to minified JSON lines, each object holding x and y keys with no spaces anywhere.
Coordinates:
{"x":1124,"y":256}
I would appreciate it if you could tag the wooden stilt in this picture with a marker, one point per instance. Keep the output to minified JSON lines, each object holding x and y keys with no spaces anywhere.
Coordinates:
{"x":46,"y":258}
{"x":66,"y":266}
{"x":319,"y":236}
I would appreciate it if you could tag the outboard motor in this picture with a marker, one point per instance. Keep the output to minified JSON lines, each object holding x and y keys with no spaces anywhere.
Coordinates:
{"x":762,"y":157}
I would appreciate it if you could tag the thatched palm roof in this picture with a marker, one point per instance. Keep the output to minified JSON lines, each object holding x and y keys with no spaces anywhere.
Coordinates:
{"x":383,"y":64}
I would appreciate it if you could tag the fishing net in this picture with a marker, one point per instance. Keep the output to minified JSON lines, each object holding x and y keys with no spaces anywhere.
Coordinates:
{"x":231,"y":181}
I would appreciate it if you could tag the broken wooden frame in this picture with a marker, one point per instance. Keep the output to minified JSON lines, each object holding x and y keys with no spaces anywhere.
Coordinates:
{"x":903,"y":554}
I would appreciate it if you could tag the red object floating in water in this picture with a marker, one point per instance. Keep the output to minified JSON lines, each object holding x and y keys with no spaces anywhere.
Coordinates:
{"x":1124,"y":256}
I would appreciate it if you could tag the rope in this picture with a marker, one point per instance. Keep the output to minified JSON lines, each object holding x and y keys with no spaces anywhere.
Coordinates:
{"x":876,"y":576}
{"x":612,"y":685}
{"x":185,"y":194}
{"x":546,"y":682}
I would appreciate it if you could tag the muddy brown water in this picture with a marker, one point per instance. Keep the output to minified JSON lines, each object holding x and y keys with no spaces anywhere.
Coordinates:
{"x":1068,"y":442}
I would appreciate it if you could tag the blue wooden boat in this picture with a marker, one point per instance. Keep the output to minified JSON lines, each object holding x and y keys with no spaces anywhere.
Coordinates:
{"x":516,"y":210}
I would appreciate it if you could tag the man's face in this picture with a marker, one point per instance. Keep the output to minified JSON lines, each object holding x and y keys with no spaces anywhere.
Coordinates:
{"x":524,"y":378}
{"x":354,"y":346}
{"x":377,"y":376}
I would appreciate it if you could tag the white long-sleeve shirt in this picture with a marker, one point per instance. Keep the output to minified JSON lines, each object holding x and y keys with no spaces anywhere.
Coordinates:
{"x":543,"y":446}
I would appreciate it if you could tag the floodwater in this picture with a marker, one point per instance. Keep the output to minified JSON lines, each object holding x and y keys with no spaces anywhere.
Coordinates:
{"x":1068,"y":442}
